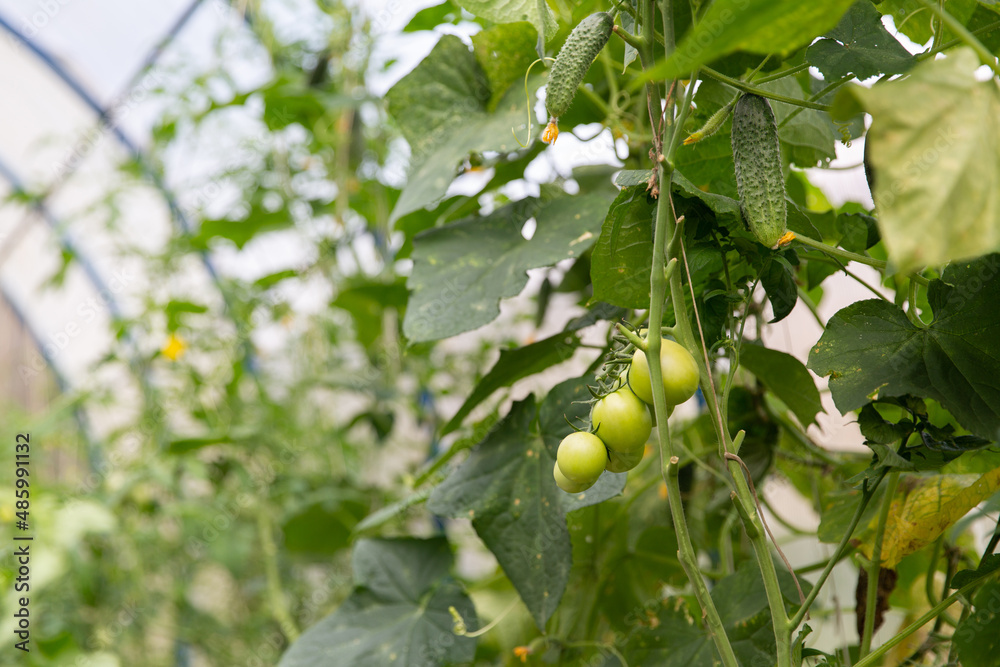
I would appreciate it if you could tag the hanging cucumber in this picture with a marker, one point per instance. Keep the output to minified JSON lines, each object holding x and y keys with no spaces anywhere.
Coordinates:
{"x":757,"y":158}
{"x":571,"y":65}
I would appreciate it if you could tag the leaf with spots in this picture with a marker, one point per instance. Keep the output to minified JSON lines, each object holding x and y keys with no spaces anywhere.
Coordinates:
{"x":505,"y":52}
{"x":446,"y":110}
{"x":462,"y":270}
{"x":934,"y":151}
{"x":536,"y":12}
{"x":871,"y":346}
{"x":506,"y":488}
{"x":925,"y":508}
{"x":398,"y":613}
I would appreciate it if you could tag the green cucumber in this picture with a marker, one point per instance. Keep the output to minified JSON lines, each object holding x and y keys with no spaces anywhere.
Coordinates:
{"x":575,"y":57}
{"x":757,"y":158}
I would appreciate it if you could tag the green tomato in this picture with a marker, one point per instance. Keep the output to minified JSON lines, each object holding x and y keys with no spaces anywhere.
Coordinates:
{"x":680,"y":374}
{"x":622,"y":421}
{"x":565,"y":483}
{"x":582,"y":457}
{"x":624,"y":461}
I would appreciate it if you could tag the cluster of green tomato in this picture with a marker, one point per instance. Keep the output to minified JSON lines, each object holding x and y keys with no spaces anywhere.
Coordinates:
{"x":621,"y":421}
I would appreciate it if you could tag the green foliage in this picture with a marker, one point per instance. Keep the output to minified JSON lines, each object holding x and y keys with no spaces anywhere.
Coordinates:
{"x":537,"y":12}
{"x":462,"y":270}
{"x":789,"y":378}
{"x":758,"y":26}
{"x":506,"y":488}
{"x":301,"y":421}
{"x":398,"y":611}
{"x":859,"y":45}
{"x":871,"y":346}
{"x":442,"y":108}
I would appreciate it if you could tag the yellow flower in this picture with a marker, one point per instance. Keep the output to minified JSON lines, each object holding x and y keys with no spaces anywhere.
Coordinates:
{"x":522,"y":652}
{"x":551,"y":132}
{"x":786,"y":239}
{"x":174,"y":348}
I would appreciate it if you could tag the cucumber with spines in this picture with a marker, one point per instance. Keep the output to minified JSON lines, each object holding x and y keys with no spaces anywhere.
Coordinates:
{"x":575,"y":57}
{"x":757,"y":159}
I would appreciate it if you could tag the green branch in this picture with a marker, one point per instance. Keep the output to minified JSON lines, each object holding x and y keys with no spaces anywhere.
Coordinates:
{"x":749,"y":88}
{"x":845,"y":542}
{"x":963,"y":33}
{"x":955,"y":42}
{"x":875,"y":657}
{"x":841,"y":253}
{"x":275,"y":592}
{"x":782,"y":74}
{"x":875,"y":566}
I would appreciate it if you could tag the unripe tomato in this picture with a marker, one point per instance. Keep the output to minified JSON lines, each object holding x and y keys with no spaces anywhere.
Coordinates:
{"x":582,"y":457}
{"x":565,"y":483}
{"x":622,"y":421}
{"x":680,"y":374}
{"x":624,"y":461}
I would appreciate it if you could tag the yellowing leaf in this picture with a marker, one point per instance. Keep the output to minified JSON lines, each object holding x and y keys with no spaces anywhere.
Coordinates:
{"x":934,"y":145}
{"x":926,"y":508}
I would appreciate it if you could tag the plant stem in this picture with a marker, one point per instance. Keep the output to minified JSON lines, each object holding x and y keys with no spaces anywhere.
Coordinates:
{"x":955,"y":42}
{"x":875,"y":656}
{"x":911,"y":310}
{"x":841,"y":253}
{"x":832,"y":86}
{"x":670,"y":462}
{"x":681,"y":117}
{"x":275,"y":594}
{"x":748,"y":88}
{"x":782,"y":74}
{"x":841,"y":548}
{"x":875,"y":566}
{"x":630,"y":39}
{"x":665,"y":228}
{"x":963,"y":33}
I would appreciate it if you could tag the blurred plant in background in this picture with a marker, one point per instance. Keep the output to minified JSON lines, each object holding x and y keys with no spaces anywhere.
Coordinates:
{"x":263,"y":417}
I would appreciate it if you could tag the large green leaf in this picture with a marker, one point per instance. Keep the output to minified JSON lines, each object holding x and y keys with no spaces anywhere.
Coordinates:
{"x":443,"y":89}
{"x":786,"y":377}
{"x":462,"y":270}
{"x":621,"y":260}
{"x":977,"y":637}
{"x":536,"y":12}
{"x":859,"y":45}
{"x":505,"y":52}
{"x":871,"y":346}
{"x":367,"y":301}
{"x":620,"y":264}
{"x":442,"y":110}
{"x":324,"y":525}
{"x":506,"y":488}
{"x":935,"y":148}
{"x":397,"y":613}
{"x":758,"y":26}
